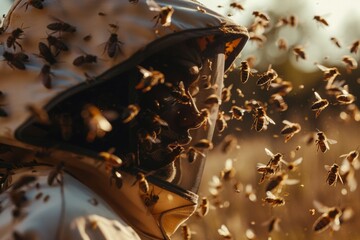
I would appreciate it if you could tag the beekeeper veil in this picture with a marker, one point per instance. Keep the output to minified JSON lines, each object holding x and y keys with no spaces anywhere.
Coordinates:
{"x":128,"y":87}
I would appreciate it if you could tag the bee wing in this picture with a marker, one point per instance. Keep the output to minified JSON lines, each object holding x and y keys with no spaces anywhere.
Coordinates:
{"x":340,"y":178}
{"x":153,"y":6}
{"x":327,"y":167}
{"x":270,"y":120}
{"x":269,"y":153}
{"x":286,"y":122}
{"x":345,"y":166}
{"x":103,"y":123}
{"x":347,"y":213}
{"x":317,"y":96}
{"x":298,"y":161}
{"x":322,"y":67}
{"x":110,"y":115}
{"x":320,"y":207}
{"x":331,"y":141}
{"x":335,"y":225}
{"x":224,"y":231}
{"x":270,"y":195}
{"x":291,"y":181}
{"x":146,"y":73}
{"x":228,"y":164}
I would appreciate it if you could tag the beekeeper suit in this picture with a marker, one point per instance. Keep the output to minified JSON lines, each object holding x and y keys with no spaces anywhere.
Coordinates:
{"x":101,"y":104}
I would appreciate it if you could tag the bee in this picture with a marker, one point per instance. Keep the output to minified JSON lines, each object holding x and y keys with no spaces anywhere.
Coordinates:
{"x":345,"y":97}
{"x":129,"y":113}
{"x":282,"y":22}
{"x":150,"y":78}
{"x":226,"y":94}
{"x":117,"y":177}
{"x":333,"y":174}
{"x":265,"y":171}
{"x":97,"y":121}
{"x":11,"y":41}
{"x":38,"y":4}
{"x":229,"y":143}
{"x":329,"y":73}
{"x":352,"y":158}
{"x":273,"y":200}
{"x":279,"y":102}
{"x":39,"y":114}
{"x":275,"y":159}
{"x":282,"y":44}
{"x":143,"y":183}
{"x":45,"y":53}
{"x":292,"y":166}
{"x":193,"y":154}
{"x":299,"y":53}
{"x":16,"y":60}
{"x":84,"y":59}
{"x":204,"y":144}
{"x":212,"y":100}
{"x":321,"y":20}
{"x":110,"y":159}
{"x":46,"y":76}
{"x":245,"y":71}
{"x":150,"y":199}
{"x":56,"y":174}
{"x":113,"y":44}
{"x":221,"y":123}
{"x":290,"y":129}
{"x":204,"y":207}
{"x":336,"y":42}
{"x":237,"y":6}
{"x":355,"y":47}
{"x":57,"y":43}
{"x":319,"y":105}
{"x":164,"y":13}
{"x":23,"y":181}
{"x":279,"y":181}
{"x":186,"y":232}
{"x":267,"y":77}
{"x":229,"y":171}
{"x":322,"y":142}
{"x":260,"y":39}
{"x":293,"y":21}
{"x":350,"y":63}
{"x":330,"y":218}
{"x":237,"y":112}
{"x":61,"y":26}
{"x":224,"y":232}
{"x":261,"y":15}
{"x":261,"y":120}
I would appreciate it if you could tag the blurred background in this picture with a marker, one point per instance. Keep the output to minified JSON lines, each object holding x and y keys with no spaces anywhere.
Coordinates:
{"x":316,"y":36}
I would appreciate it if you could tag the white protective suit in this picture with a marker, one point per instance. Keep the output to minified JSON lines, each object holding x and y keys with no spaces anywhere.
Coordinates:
{"x":68,"y":169}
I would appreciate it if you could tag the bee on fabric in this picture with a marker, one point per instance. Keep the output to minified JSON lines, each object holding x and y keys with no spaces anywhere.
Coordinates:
{"x":16,"y":60}
{"x":12,"y":40}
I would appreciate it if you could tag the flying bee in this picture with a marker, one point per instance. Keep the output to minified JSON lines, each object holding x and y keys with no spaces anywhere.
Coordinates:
{"x":129,"y":113}
{"x":40,"y":115}
{"x":46,"y":76}
{"x":299,"y":53}
{"x":350,"y":63}
{"x":265,"y":171}
{"x":274,"y":224}
{"x":204,"y":207}
{"x":336,"y":42}
{"x":11,"y":41}
{"x":84,"y":59}
{"x":150,"y":78}
{"x":229,"y":171}
{"x":237,"y":6}
{"x":278,"y":101}
{"x":61,"y":26}
{"x":261,"y":15}
{"x":143,"y":183}
{"x":259,"y":39}
{"x":261,"y":120}
{"x":57,"y":43}
{"x":16,"y":60}
{"x":117,"y":177}
{"x":322,"y":142}
{"x":273,"y":200}
{"x":345,"y":97}
{"x":290,"y":129}
{"x":164,"y":13}
{"x":292,"y":166}
{"x":355,"y":47}
{"x":352,"y":158}
{"x":330,"y":218}
{"x":333,"y":174}
{"x":38,"y":4}
{"x":45,"y":53}
{"x":212,"y":100}
{"x":186,"y":232}
{"x":321,"y":20}
{"x":226,"y":94}
{"x":97,"y":121}
{"x":282,"y":44}
{"x":279,"y":181}
{"x":319,"y":105}
{"x":267,"y":77}
{"x":192,"y":154}
{"x":56,"y":174}
{"x":237,"y":113}
{"x":110,"y":159}
{"x":204,"y":144}
{"x":221,"y":123}
{"x":229,"y":143}
{"x":244,"y":71}
{"x":275,"y":159}
{"x":329,"y":73}
{"x":150,"y":199}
